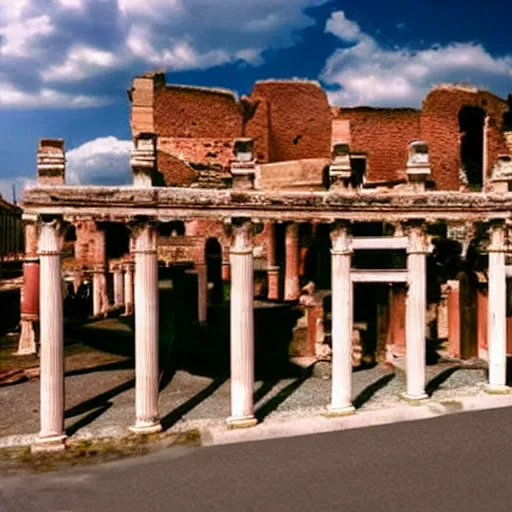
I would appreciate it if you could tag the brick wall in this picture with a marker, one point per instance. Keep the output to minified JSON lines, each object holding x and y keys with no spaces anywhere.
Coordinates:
{"x":174,"y":172}
{"x":300,"y":119}
{"x":440,"y":128}
{"x":257,"y":126}
{"x":384,"y":134}
{"x":196,"y":112}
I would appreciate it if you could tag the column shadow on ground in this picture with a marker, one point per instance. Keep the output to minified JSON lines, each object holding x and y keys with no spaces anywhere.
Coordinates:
{"x":179,"y":412}
{"x":96,"y":406}
{"x":273,"y":403}
{"x":367,"y":393}
{"x":435,"y":383}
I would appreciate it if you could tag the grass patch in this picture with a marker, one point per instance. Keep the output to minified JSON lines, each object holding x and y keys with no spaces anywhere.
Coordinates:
{"x":92,"y":451}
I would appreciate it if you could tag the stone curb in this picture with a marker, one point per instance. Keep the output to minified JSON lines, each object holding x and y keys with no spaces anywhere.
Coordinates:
{"x":214,"y":431}
{"x":319,"y":424}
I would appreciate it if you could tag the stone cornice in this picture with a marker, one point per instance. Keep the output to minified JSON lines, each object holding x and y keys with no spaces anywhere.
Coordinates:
{"x":165,"y":204}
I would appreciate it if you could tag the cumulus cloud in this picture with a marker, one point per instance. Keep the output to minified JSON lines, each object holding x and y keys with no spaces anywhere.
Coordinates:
{"x":365,"y":73}
{"x":71,"y":47}
{"x":102,"y":161}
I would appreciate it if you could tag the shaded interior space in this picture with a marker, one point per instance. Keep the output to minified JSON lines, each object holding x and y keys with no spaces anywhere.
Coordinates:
{"x":471,"y":126}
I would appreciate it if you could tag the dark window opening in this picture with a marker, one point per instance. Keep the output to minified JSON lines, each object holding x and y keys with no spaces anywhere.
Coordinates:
{"x":471,"y":126}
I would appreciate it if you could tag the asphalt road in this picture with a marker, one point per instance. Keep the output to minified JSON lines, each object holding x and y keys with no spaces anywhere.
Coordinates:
{"x":459,"y":462}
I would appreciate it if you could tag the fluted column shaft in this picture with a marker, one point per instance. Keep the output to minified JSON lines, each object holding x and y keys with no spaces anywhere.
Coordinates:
{"x":416,"y":304}
{"x":51,"y":435}
{"x":128,"y":288}
{"x":118,"y":286}
{"x":146,"y":330}
{"x":242,"y":326}
{"x":99,"y":290}
{"x":291,"y":282}
{"x":342,"y":322}
{"x":272,"y":268}
{"x":497,"y":311}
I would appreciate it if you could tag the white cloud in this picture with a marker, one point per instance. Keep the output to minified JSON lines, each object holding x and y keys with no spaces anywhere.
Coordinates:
{"x":368,"y":74}
{"x":81,"y":62}
{"x":102,"y":161}
{"x":68,"y":48}
{"x":22,"y":38}
{"x":71,"y":4}
{"x":10,"y":96}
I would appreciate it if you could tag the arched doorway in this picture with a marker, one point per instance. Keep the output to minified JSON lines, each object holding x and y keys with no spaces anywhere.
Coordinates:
{"x":471,"y":126}
{"x":213,"y":257}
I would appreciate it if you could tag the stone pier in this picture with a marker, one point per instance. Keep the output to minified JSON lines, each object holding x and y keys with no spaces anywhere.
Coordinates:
{"x":30,"y":291}
{"x":128,"y":288}
{"x":291,"y":281}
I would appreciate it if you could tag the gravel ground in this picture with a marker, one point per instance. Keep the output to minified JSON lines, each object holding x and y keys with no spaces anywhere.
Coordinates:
{"x":103,"y":401}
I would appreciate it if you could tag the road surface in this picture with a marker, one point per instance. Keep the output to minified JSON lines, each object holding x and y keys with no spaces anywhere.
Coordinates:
{"x":459,"y":462}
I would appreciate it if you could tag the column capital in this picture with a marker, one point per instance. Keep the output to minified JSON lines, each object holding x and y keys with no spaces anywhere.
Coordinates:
{"x":241,"y":230}
{"x":340,"y":238}
{"x":419,"y":241}
{"x":51,"y":231}
{"x":144,"y":235}
{"x":497,"y":237}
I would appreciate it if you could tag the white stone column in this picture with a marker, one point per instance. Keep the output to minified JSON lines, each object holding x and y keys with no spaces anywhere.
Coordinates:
{"x":415,"y":313}
{"x":117,"y":271}
{"x":242,"y":326}
{"x":51,"y":435}
{"x":146,"y":330}
{"x":99,"y":291}
{"x":128,"y":288}
{"x":497,"y":311}
{"x":342,"y":322}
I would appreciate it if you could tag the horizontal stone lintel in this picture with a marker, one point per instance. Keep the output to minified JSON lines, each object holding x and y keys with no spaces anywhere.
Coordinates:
{"x":126,"y":202}
{"x":378,"y":276}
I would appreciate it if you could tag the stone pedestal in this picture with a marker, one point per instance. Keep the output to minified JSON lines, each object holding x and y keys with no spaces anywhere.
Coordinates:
{"x":128,"y":288}
{"x":342,"y":322}
{"x":242,"y":326}
{"x":146,"y":330}
{"x":30,"y":292}
{"x":291,"y":282}
{"x":416,"y":304}
{"x":51,"y":435}
{"x":497,"y":319}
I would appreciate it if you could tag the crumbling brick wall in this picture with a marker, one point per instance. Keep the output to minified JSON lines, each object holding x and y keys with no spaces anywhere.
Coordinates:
{"x":440,"y":128}
{"x":384,"y":134}
{"x":197,"y":112}
{"x":89,"y":245}
{"x":173,"y":171}
{"x":257,"y":126}
{"x":300,"y":119}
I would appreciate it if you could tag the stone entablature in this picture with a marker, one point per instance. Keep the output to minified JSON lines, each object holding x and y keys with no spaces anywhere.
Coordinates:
{"x":119,"y":204}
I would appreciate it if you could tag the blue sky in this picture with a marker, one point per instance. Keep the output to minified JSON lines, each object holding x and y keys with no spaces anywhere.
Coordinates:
{"x":65,"y":65}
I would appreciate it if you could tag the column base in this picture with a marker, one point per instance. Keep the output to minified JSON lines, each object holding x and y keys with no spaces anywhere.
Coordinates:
{"x":241,"y":422}
{"x":144,"y":427}
{"x":497,"y":389}
{"x":414,"y":399}
{"x":27,"y":344}
{"x":336,"y":412}
{"x":49,"y":444}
